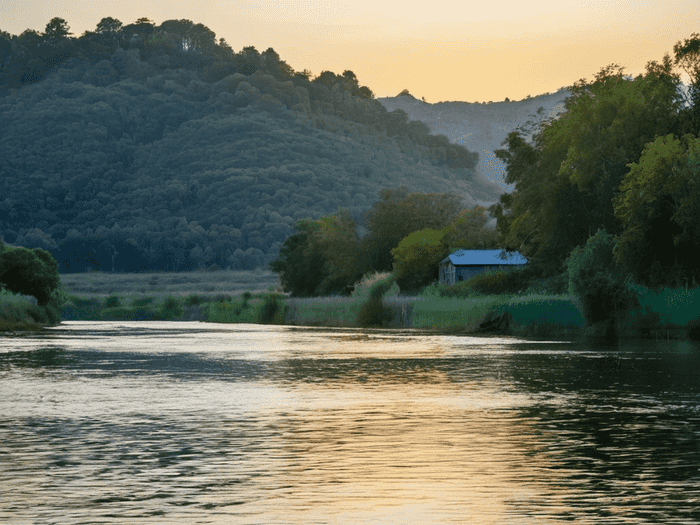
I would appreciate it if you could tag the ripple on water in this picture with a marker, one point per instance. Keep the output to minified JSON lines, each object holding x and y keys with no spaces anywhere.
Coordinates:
{"x":153,"y":423}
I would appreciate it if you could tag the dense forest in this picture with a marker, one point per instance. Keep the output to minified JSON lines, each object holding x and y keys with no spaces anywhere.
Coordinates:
{"x":156,"y":147}
{"x":617,"y":176}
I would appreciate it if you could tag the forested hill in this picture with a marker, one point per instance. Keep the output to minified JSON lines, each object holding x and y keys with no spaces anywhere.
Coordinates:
{"x":481,"y":128}
{"x":163,"y":149}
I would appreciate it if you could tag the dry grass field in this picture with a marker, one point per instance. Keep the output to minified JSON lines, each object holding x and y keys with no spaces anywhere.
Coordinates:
{"x":159,"y":284}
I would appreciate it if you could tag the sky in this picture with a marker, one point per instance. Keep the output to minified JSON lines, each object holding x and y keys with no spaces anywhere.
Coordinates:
{"x":440,"y":50}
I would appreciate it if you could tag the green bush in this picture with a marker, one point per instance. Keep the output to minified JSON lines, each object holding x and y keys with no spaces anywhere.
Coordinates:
{"x":171,"y":308}
{"x":194,"y":299}
{"x":142,"y":301}
{"x":112,"y":301}
{"x":373,"y":312}
{"x":272,"y":310}
{"x":596,"y":278}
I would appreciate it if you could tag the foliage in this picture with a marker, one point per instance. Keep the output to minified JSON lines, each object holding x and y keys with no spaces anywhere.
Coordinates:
{"x":598,"y":279}
{"x":112,"y":301}
{"x":468,"y":231}
{"x":363,"y":288}
{"x":171,"y":308}
{"x":319,"y":259}
{"x":373,"y":311}
{"x":137,"y":147}
{"x":566,"y":178}
{"x":29,"y":272}
{"x":417,"y":258}
{"x":399,"y":213}
{"x":272,"y":310}
{"x":659,"y":206}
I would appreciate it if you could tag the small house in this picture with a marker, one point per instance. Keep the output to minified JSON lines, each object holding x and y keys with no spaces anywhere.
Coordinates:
{"x":465,"y":264}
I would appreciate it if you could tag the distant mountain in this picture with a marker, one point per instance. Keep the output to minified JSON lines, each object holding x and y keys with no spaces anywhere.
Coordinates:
{"x":134,"y":159}
{"x":480,"y":127}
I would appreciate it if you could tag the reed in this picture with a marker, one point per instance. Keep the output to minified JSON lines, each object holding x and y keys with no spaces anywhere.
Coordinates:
{"x":675,"y":307}
{"x":206,"y":284}
{"x":323,"y":311}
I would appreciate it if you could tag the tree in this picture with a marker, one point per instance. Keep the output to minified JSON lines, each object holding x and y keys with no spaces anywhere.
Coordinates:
{"x":598,"y":280}
{"x":108,"y":26}
{"x":659,"y":206}
{"x":321,"y":258}
{"x":56,"y":30}
{"x":687,"y":56}
{"x":467,"y":231}
{"x":417,"y":258}
{"x":399,"y":213}
{"x":566,"y":177}
{"x":29,"y":272}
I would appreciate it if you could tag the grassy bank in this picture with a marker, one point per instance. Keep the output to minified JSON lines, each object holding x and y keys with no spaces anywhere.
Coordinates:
{"x":163,"y":284}
{"x":21,"y":312}
{"x":246,"y":297}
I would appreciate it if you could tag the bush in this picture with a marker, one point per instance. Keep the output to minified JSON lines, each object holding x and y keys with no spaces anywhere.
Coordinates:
{"x":271,"y":310}
{"x":112,"y":301}
{"x":171,"y":308}
{"x":598,"y":280}
{"x":194,"y":299}
{"x":373,"y":312}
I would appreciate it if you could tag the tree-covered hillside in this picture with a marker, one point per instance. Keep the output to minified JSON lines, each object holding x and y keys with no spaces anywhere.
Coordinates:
{"x":157,"y":147}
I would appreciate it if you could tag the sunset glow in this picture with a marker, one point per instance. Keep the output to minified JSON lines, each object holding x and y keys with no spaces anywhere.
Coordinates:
{"x":444,"y":50}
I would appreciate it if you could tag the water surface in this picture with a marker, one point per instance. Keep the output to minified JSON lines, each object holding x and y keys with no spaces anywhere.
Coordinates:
{"x":110,"y":422}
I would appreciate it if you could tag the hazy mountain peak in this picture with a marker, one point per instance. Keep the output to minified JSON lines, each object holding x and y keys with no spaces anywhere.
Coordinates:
{"x":480,"y":127}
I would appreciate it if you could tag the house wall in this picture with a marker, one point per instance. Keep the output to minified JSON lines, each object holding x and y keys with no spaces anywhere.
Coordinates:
{"x":451,"y":274}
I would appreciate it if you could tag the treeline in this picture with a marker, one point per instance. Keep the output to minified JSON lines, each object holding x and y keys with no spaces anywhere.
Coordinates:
{"x":142,"y":147}
{"x":407,"y":233}
{"x":611,"y":188}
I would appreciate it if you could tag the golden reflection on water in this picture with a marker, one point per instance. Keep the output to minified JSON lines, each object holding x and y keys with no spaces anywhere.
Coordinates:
{"x":400,"y":445}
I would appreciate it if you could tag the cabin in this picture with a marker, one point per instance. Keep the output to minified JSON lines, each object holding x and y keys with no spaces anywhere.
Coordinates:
{"x":465,"y":264}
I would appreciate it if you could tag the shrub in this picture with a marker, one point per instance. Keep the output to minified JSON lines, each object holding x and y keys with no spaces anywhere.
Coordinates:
{"x":373,"y":312}
{"x":271,"y":310}
{"x":171,"y":308}
{"x":112,"y":301}
{"x":363,"y":287}
{"x":598,"y":280}
{"x":193,"y":300}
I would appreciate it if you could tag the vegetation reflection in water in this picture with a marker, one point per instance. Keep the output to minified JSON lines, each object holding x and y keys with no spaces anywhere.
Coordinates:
{"x":116,"y":422}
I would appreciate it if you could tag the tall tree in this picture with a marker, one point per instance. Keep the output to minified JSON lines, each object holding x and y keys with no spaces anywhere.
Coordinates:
{"x":659,"y":207}
{"x":399,"y":213}
{"x":56,"y":30}
{"x":566,"y":178}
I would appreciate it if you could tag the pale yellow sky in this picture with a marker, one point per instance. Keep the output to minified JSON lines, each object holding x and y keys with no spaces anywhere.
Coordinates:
{"x":440,"y":50}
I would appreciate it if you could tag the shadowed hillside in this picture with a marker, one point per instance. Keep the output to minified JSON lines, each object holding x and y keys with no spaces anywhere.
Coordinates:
{"x":158,"y":152}
{"x":481,"y":128}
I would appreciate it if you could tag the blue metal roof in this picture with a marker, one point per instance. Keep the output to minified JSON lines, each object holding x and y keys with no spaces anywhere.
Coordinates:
{"x":484,"y":258}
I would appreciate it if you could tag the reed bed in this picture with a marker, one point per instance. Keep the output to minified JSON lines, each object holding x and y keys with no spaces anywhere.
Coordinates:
{"x":323,"y":311}
{"x":675,"y":307}
{"x":163,"y":284}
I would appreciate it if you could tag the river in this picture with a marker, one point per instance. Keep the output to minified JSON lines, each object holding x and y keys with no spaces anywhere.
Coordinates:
{"x":145,"y":422}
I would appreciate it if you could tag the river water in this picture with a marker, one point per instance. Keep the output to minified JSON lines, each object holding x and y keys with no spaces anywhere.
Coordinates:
{"x":111,"y":422}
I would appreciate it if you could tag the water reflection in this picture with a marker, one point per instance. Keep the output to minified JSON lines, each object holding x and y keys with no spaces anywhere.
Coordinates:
{"x":184,"y":422}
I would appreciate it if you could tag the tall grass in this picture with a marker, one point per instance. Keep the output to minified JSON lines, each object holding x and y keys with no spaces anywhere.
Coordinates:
{"x":556,"y":311}
{"x":19,"y":312}
{"x":162,"y":284}
{"x":452,"y":313}
{"x":550,"y":312}
{"x":323,"y":311}
{"x":676,"y":307}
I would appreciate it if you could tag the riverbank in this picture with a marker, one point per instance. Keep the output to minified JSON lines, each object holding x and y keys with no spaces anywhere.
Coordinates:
{"x":253,"y":297}
{"x":22,"y":313}
{"x":535,"y":315}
